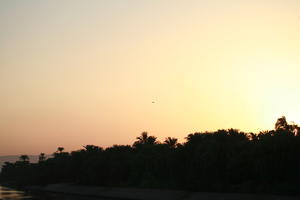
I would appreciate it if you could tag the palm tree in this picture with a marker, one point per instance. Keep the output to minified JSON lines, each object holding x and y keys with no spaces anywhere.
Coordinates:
{"x":171,"y":142}
{"x":42,"y":157}
{"x":282,"y":124}
{"x":24,"y":158}
{"x":59,"y":152}
{"x":60,"y":149}
{"x":253,"y":137}
{"x":145,"y":139}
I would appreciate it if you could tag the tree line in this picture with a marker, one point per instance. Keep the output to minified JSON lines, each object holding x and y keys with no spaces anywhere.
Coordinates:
{"x":221,"y":161}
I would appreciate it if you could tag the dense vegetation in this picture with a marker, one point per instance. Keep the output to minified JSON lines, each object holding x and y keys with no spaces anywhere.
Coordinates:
{"x":223,"y":161}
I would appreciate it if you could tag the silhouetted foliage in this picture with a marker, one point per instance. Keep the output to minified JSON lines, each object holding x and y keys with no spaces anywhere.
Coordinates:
{"x":221,"y":161}
{"x":24,"y":158}
{"x":60,"y":149}
{"x":171,"y":142}
{"x":42,"y":157}
{"x":144,"y":139}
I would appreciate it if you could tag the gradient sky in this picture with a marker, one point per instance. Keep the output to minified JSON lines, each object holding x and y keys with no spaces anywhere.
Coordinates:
{"x":86,"y":72}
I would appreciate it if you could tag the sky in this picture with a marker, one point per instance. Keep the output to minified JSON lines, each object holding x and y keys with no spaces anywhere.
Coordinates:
{"x":75,"y":72}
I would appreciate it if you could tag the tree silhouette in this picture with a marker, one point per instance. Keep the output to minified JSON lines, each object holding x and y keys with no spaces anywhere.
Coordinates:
{"x":60,"y":149}
{"x":92,"y":149}
{"x":59,"y":153}
{"x":144,"y":139}
{"x":24,"y":158}
{"x":42,"y":157}
{"x":171,"y":142}
{"x":281,"y":124}
{"x":226,"y":160}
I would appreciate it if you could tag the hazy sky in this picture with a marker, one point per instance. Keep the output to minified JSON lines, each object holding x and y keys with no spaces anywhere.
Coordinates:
{"x":86,"y":72}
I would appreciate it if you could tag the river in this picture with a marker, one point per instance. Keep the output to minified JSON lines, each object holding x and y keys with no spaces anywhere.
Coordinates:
{"x":11,"y":194}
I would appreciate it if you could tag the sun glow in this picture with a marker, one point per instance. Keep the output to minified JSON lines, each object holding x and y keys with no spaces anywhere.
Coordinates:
{"x":88,"y":73}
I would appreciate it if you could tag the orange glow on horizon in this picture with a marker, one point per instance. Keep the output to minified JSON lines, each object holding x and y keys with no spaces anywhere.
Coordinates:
{"x":75,"y":73}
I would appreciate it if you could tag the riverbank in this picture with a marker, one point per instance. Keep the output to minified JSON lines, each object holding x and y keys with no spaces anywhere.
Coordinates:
{"x":146,"y":194}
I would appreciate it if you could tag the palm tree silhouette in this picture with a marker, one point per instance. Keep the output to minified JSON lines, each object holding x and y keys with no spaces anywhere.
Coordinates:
{"x":24,"y":158}
{"x":42,"y":157}
{"x":171,"y":142}
{"x":145,"y":139}
{"x":282,"y":124}
{"x":60,"y":149}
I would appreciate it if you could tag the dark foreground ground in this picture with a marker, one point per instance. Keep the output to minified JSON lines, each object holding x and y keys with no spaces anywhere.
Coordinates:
{"x":69,"y":191}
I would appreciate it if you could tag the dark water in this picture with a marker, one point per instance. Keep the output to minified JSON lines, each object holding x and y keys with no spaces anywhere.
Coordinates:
{"x":11,"y":194}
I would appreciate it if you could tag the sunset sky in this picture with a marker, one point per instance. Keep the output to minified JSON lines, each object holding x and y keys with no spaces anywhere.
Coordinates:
{"x":86,"y":72}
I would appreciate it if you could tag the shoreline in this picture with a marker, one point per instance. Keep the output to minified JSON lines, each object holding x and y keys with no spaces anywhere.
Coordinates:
{"x":93,"y":192}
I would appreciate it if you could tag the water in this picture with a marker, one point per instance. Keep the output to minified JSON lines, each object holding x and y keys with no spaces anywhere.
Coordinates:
{"x":11,"y":194}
